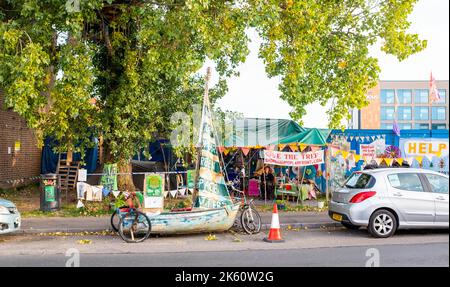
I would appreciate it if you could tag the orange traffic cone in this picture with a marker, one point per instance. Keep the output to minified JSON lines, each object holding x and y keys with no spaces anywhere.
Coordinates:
{"x":274,"y":233}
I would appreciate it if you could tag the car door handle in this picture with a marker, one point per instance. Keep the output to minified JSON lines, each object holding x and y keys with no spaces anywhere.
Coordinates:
{"x":397,"y":194}
{"x":440,"y":198}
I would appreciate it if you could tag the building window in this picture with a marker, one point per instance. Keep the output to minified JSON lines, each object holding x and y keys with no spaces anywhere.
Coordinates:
{"x":421,"y":113}
{"x":387,"y":96}
{"x":386,"y":126}
{"x":387,"y":113}
{"x":404,"y":113}
{"x":438,"y":113}
{"x":443,"y":96}
{"x":421,"y":126}
{"x":405,"y":126}
{"x":438,"y":127}
{"x":404,"y":96}
{"x":421,"y":97}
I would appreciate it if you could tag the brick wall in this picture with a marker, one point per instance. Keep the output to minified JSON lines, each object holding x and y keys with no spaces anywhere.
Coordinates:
{"x":17,"y":167}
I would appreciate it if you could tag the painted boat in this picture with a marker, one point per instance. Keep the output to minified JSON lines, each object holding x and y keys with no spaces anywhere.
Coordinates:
{"x":195,"y":221}
{"x":215,"y":211}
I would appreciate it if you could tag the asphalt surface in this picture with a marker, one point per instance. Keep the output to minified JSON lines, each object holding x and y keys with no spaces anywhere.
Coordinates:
{"x":323,"y":247}
{"x":414,"y":255}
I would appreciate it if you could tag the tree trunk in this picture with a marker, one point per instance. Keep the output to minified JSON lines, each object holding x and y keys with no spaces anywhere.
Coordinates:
{"x":125,"y":182}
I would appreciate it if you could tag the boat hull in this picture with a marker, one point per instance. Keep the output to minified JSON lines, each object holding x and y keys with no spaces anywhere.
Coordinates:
{"x":196,"y":221}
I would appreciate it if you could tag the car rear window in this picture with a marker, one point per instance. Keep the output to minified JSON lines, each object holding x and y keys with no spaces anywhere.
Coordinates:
{"x":360,"y":180}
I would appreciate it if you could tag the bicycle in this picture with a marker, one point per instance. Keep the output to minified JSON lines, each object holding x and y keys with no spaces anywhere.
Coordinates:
{"x":115,"y":219}
{"x":134,"y":226}
{"x":249,"y":218}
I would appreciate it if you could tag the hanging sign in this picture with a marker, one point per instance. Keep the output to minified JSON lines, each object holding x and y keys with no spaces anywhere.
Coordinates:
{"x":428,"y":147}
{"x":293,"y":158}
{"x":367,"y":151}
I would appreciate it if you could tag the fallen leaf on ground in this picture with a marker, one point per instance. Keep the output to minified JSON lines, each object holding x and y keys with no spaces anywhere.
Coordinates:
{"x":84,"y":241}
{"x":211,"y":237}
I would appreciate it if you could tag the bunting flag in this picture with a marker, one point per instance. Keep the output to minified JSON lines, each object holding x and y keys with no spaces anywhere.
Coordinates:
{"x":173,"y":193}
{"x":116,"y":193}
{"x":378,"y":160}
{"x":226,"y":151}
{"x":303,"y":147}
{"x":293,"y":147}
{"x":344,"y":154}
{"x":221,"y":149}
{"x":356,"y":157}
{"x":389,"y":161}
{"x":351,"y":138}
{"x":399,"y":161}
{"x":182,"y":191}
{"x":270,"y":147}
{"x":372,"y":138}
{"x":409,"y":160}
{"x":245,"y":151}
{"x":430,"y":157}
{"x":419,"y":159}
{"x":80,"y":204}
{"x":166,"y":192}
{"x":281,"y":147}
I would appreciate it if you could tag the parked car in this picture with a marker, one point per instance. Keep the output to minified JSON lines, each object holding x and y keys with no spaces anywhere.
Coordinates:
{"x":9,"y":217}
{"x":384,"y":200}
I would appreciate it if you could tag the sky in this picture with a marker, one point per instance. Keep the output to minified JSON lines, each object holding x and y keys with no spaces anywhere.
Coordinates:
{"x":255,"y":95}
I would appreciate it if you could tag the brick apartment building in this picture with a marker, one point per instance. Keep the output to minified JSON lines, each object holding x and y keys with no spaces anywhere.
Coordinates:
{"x":20,"y":158}
{"x":413,"y":110}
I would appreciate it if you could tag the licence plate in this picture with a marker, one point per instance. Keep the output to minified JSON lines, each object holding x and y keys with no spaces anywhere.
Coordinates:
{"x":337,"y":217}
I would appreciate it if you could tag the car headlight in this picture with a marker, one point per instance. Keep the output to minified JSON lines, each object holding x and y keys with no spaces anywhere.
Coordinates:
{"x":4,"y":210}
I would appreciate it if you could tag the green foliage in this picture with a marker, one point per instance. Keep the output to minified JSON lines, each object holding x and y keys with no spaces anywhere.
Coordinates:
{"x":139,"y":60}
{"x":320,"y":49}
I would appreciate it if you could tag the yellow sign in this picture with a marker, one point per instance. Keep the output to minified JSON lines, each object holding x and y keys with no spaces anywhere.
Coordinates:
{"x":17,"y":146}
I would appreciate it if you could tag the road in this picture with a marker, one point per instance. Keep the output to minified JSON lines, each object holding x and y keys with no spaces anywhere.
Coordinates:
{"x":325,"y":247}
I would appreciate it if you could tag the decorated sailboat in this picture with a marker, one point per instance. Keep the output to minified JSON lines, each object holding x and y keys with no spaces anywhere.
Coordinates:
{"x":213,"y":209}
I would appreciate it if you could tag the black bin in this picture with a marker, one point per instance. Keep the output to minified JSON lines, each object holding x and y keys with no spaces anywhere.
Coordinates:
{"x":50,"y":193}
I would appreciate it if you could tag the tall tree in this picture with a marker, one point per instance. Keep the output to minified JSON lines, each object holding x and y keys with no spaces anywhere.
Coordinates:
{"x":121,"y":68}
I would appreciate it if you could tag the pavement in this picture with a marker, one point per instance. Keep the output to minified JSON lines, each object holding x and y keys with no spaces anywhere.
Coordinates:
{"x":312,"y":247}
{"x":311,"y":220}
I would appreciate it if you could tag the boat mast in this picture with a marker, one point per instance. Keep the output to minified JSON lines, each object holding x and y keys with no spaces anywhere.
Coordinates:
{"x":200,"y":135}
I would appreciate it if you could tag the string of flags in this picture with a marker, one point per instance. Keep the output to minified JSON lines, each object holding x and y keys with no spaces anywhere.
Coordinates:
{"x":294,"y":147}
{"x":351,"y":138}
{"x":387,"y":161}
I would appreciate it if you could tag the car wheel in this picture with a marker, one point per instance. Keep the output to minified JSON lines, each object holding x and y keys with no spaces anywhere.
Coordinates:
{"x":350,"y":226}
{"x":382,"y":224}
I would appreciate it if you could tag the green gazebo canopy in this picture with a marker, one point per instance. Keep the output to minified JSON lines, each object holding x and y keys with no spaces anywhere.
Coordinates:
{"x":309,"y":137}
{"x":252,"y":132}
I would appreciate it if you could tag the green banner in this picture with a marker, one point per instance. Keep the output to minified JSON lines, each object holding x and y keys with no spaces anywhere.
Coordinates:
{"x":191,"y":178}
{"x":154,"y":185}
{"x":109,"y":179}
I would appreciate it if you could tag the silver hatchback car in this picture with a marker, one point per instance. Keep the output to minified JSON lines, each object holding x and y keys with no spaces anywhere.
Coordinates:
{"x":384,"y":200}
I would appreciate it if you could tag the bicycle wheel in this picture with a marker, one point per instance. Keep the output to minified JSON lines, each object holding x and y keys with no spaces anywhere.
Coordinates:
{"x":134,"y":227}
{"x":251,"y":221}
{"x":115,"y":220}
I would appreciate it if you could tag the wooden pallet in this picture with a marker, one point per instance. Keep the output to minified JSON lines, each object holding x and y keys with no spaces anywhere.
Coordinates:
{"x":68,"y":175}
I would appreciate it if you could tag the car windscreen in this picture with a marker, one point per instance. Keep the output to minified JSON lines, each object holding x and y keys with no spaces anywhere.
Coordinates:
{"x":360,"y":180}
